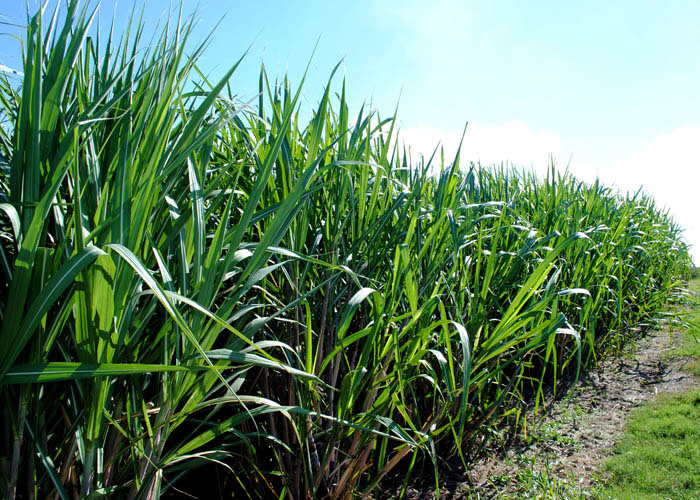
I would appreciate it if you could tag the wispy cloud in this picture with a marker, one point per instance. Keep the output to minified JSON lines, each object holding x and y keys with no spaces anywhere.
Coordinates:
{"x":421,"y":20}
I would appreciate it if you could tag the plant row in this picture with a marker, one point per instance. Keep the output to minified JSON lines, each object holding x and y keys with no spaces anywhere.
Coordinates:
{"x":198,"y":288}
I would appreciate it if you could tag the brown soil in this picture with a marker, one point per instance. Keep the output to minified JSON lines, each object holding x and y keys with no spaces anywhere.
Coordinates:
{"x":578,"y":431}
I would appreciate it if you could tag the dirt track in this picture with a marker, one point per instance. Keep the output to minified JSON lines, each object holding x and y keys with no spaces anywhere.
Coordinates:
{"x":581,"y":430}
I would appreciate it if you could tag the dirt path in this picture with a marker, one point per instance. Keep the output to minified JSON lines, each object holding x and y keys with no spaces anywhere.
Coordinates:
{"x":580,"y":430}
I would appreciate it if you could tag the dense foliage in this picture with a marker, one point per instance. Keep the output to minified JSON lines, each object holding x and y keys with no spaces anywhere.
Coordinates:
{"x":192,"y":286}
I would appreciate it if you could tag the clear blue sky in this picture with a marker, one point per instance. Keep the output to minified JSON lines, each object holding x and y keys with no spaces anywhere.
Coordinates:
{"x":613,"y":85}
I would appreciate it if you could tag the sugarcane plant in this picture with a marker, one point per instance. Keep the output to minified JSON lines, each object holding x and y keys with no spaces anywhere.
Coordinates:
{"x":193,"y":284}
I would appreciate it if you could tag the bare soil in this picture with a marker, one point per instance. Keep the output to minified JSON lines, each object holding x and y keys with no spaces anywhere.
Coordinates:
{"x":577,"y":431}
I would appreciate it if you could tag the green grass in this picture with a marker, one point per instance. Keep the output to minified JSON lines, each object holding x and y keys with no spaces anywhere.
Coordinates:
{"x":198,"y":291}
{"x":659,"y":454}
{"x":551,"y":433}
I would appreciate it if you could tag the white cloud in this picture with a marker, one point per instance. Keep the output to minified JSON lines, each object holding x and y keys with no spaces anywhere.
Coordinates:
{"x":511,"y":142}
{"x":668,"y":168}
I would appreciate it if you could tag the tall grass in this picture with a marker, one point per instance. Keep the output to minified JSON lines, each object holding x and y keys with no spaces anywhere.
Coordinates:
{"x":191,"y":286}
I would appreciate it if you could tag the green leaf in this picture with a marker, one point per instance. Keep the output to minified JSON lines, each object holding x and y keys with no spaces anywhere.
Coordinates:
{"x":58,"y":371}
{"x":12,"y":343}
